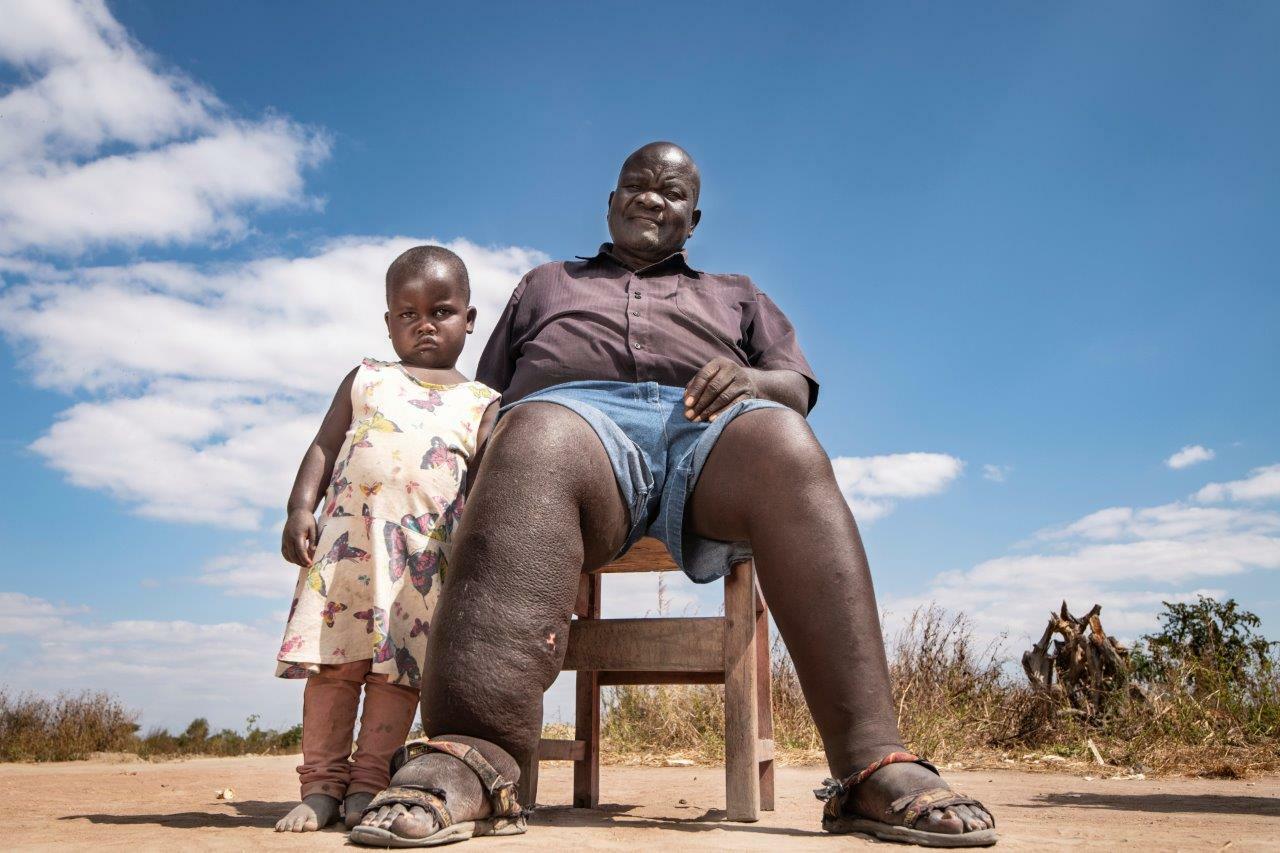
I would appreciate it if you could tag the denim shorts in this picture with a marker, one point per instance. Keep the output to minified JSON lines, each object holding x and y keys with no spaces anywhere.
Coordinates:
{"x":657,"y":455}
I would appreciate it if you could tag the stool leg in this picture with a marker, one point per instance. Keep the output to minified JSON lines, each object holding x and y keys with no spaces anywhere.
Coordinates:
{"x":528,"y":796}
{"x":529,"y":782}
{"x":742,"y":780}
{"x":764,"y":691}
{"x":586,"y":773}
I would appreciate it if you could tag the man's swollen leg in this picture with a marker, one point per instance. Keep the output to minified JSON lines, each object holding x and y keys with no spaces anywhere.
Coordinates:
{"x":545,"y":505}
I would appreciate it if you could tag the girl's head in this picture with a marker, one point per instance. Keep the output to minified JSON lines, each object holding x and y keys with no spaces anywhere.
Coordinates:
{"x":429,"y":314}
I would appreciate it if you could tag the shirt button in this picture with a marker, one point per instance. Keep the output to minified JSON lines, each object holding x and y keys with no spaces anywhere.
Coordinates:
{"x":635,"y":313}
{"x":637,"y":294}
{"x":636,"y":345}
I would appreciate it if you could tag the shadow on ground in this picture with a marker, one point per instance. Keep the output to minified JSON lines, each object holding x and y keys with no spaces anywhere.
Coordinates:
{"x":261,"y":814}
{"x":257,"y":813}
{"x":612,"y":815}
{"x":1163,"y":803}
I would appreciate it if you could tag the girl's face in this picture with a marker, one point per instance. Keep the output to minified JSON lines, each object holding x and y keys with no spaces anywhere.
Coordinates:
{"x":429,"y":319}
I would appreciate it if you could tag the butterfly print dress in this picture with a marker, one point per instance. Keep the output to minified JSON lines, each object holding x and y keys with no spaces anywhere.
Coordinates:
{"x":385,"y":527}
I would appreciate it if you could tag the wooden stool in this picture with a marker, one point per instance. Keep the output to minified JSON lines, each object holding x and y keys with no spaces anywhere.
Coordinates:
{"x":732,"y":650}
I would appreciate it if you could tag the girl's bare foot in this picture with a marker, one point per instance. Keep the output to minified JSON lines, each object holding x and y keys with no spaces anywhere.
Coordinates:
{"x":313,"y":813}
{"x":353,"y":808}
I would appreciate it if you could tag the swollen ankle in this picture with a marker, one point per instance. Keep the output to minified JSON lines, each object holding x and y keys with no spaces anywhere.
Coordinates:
{"x":857,"y":760}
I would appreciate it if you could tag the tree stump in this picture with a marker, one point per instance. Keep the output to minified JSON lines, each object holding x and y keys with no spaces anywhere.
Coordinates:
{"x":1086,"y":666}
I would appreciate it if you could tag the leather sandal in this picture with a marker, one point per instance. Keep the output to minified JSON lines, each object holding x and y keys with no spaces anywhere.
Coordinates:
{"x":835,"y":793}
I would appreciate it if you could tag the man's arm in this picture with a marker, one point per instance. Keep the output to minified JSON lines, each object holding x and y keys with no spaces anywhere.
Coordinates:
{"x":497,"y":362}
{"x":787,"y":387}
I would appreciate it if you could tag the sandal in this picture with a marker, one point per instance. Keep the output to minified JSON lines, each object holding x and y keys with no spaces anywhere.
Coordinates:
{"x":508,"y":817}
{"x":912,"y":807}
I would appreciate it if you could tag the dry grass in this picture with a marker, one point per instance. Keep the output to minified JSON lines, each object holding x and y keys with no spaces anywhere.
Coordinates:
{"x":75,"y":726}
{"x":33,"y":728}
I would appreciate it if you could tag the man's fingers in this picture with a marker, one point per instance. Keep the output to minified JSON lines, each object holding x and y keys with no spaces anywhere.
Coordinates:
{"x":696,"y":385}
{"x":727,"y":385}
{"x":713,"y":388}
{"x":732,"y":395}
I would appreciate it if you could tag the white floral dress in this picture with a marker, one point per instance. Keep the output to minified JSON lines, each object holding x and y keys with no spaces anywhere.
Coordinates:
{"x":389,"y":512}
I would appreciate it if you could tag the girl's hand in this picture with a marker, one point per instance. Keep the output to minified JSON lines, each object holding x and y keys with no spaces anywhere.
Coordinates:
{"x":298,"y":542}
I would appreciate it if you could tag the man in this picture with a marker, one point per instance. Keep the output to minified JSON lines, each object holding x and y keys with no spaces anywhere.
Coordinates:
{"x":644,"y":396}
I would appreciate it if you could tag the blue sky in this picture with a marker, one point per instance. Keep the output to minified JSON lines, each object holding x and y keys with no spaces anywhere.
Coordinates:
{"x":1029,"y":249}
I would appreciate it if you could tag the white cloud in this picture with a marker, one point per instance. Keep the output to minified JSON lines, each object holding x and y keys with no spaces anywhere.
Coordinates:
{"x":256,"y":574}
{"x":1188,"y":456}
{"x":23,"y":614}
{"x":996,"y":473}
{"x":871,"y":484}
{"x":103,"y":146}
{"x":1128,"y":559}
{"x":207,"y":382}
{"x":1261,"y":484}
{"x":171,"y":671}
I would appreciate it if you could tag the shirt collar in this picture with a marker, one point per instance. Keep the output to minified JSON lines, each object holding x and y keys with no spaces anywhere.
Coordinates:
{"x":678,"y":260}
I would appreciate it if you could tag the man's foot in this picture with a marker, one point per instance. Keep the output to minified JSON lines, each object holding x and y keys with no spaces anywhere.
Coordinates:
{"x":313,"y":813}
{"x":871,"y":799}
{"x":402,"y":821}
{"x":353,"y":808}
{"x":465,"y":806}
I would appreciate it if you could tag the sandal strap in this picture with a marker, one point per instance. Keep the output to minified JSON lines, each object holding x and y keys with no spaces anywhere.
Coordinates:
{"x":502,"y":792}
{"x":833,"y":788}
{"x":916,"y":806}
{"x":431,"y":799}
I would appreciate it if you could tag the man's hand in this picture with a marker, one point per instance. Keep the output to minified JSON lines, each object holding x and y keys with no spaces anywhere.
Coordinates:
{"x":718,"y":385}
{"x":298,"y":542}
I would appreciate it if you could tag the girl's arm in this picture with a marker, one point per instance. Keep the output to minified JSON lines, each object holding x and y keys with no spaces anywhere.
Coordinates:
{"x":298,"y":542}
{"x":482,"y":440}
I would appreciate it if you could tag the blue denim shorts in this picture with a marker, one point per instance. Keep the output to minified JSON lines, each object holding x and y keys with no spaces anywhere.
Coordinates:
{"x":657,"y":455}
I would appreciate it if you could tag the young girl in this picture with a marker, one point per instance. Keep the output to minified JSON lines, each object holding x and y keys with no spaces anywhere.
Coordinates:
{"x":394,"y":449}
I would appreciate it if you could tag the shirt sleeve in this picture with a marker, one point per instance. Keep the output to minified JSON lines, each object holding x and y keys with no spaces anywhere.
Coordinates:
{"x":771,"y":343}
{"x":498,"y":361}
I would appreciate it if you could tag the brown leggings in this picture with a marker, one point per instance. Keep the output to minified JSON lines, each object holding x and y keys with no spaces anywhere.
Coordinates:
{"x":328,"y":721}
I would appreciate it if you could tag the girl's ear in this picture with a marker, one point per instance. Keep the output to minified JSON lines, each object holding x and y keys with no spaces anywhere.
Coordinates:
{"x":471,"y":319}
{"x":386,"y":318}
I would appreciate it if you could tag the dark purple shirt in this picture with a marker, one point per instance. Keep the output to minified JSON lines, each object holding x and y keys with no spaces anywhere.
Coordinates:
{"x":596,"y":319}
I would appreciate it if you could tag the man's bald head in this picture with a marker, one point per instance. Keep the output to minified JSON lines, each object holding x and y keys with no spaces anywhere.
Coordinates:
{"x":669,"y":154}
{"x":654,"y":209}
{"x":429,"y":262}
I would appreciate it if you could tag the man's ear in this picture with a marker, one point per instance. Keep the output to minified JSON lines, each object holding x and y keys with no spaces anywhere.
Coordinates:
{"x":471,"y":319}
{"x":608,"y":207}
{"x":693,"y":222}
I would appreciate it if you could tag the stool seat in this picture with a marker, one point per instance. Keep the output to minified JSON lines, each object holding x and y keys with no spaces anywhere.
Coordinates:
{"x":732,"y":650}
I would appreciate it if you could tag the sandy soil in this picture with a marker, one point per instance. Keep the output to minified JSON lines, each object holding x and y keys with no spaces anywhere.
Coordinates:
{"x":100,"y":804}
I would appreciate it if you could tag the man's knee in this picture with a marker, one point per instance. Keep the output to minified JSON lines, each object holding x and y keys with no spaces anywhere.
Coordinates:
{"x":554,"y":437}
{"x":778,"y":441}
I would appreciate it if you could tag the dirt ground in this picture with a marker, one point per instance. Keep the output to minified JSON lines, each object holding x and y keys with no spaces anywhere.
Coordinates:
{"x":172,"y":805}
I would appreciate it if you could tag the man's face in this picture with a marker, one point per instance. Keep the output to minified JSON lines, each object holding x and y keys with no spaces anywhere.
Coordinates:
{"x":654,"y":209}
